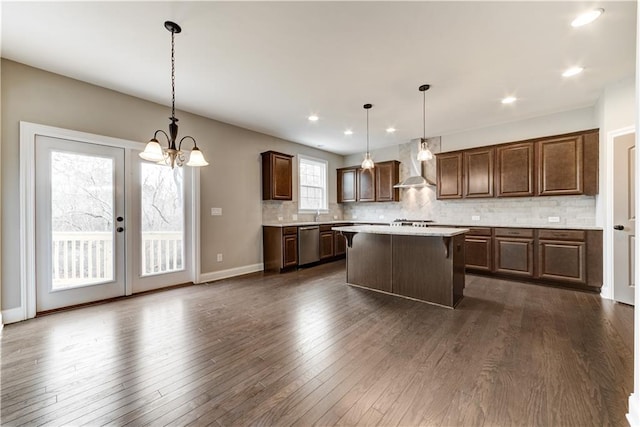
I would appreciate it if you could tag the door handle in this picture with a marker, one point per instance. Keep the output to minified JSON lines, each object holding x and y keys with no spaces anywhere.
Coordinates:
{"x":618,"y":227}
{"x":120,"y":229}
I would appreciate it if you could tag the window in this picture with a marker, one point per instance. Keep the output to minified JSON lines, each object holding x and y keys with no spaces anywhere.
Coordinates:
{"x":312,"y":181}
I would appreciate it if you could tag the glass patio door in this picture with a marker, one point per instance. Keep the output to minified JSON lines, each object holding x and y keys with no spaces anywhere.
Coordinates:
{"x":80,"y":224}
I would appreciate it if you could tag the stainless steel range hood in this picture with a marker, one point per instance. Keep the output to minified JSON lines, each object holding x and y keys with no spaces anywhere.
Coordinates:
{"x":416,"y":178}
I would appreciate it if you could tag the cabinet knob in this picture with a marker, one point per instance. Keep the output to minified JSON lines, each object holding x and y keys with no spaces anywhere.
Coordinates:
{"x":618,"y":227}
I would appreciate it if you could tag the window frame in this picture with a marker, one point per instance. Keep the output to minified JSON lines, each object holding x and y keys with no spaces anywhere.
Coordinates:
{"x":301,"y":159}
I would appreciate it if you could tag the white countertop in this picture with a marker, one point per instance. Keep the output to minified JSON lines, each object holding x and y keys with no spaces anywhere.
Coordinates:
{"x":403,"y":231}
{"x":551,"y":226}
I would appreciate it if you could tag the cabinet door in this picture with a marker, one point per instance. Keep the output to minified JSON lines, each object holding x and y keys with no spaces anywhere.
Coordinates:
{"x":449,"y":174}
{"x":366,"y":185}
{"x":387,"y":175}
{"x":347,"y":180}
{"x":326,"y":244}
{"x":563,"y":261}
{"x":515,"y":170}
{"x":289,"y":251}
{"x":478,"y":172}
{"x":514,"y":256}
{"x":276,"y":176}
{"x":560,"y":166}
{"x":340,"y":244}
{"x":478,"y":253}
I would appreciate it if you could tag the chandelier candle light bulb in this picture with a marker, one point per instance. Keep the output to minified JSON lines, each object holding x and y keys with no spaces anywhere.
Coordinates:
{"x":173,"y":154}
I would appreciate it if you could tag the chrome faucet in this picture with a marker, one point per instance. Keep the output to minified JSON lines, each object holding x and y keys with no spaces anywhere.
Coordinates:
{"x":316,"y":218}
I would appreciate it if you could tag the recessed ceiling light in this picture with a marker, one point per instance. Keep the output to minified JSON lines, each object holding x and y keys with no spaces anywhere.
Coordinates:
{"x":348,"y":132}
{"x":313,"y":118}
{"x":391,"y":130}
{"x":509,"y":100}
{"x":587,"y":17}
{"x":572,"y":71}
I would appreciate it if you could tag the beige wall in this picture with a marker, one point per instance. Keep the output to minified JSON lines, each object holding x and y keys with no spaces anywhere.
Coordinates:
{"x":231,"y":181}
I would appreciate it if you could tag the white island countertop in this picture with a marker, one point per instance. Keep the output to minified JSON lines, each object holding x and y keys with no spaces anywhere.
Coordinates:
{"x":403,"y":231}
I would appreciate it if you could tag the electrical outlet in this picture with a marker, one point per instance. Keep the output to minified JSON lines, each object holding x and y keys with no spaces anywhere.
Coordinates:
{"x":219,"y":257}
{"x":294,"y":217}
{"x":216,"y":211}
{"x":354,"y":216}
{"x":475,"y":217}
{"x":380,"y":216}
{"x":335,"y":217}
{"x":280,"y":218}
{"x":554,"y":219}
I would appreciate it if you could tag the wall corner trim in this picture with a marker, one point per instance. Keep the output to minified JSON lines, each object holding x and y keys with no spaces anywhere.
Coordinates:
{"x":232,"y":272}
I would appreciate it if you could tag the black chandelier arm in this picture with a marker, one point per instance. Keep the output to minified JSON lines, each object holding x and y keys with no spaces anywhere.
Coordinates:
{"x":195,"y":144}
{"x":155,"y":135}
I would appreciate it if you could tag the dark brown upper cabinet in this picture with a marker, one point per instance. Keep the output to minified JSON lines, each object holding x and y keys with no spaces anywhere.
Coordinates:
{"x":515,"y":170}
{"x":478,"y":172}
{"x":387,"y":175}
{"x":449,"y":175}
{"x":277,"y":183}
{"x":347,"y":185}
{"x":366,"y":185}
{"x":568,"y":165}
{"x":552,"y":166}
{"x":369,"y":185}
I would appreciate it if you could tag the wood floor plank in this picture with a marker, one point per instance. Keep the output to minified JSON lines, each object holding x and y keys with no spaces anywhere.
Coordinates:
{"x":305,"y":348}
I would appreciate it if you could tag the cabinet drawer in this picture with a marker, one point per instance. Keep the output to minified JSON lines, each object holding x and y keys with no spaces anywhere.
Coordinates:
{"x":514,"y":232}
{"x":479,"y":231}
{"x":290,"y":230}
{"x":562,"y":235}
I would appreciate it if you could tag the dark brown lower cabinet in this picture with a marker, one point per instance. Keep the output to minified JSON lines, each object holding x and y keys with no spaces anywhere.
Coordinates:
{"x":339,"y":244}
{"x":280,"y":248}
{"x":571,"y":258}
{"x":562,"y":261}
{"x":513,"y":252}
{"x":479,"y":249}
{"x":326,"y":244}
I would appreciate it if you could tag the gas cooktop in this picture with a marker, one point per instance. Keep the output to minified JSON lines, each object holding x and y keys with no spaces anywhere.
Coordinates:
{"x":411,"y":222}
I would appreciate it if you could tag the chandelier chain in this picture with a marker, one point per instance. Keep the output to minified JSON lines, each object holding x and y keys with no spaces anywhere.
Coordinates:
{"x":173,"y":76}
{"x":367,"y":131}
{"x":424,"y":119}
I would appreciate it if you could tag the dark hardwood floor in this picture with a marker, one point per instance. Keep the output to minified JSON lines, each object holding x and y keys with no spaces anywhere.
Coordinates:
{"x":303,"y":348}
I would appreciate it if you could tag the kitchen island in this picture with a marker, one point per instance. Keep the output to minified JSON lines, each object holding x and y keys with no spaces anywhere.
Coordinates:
{"x":422,"y":263}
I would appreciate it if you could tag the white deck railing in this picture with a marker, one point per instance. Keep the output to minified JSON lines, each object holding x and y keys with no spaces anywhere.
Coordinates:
{"x":87,"y":257}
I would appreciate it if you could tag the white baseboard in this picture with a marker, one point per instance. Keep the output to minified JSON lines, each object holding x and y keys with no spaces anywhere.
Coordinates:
{"x":12,"y":315}
{"x":232,"y":272}
{"x":634,"y":411}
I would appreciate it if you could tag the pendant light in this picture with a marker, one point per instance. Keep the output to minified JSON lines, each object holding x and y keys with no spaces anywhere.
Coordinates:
{"x":424,"y":153}
{"x":172,"y":155}
{"x":367,"y":163}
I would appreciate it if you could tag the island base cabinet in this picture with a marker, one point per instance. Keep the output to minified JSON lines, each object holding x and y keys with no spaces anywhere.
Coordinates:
{"x":369,"y":261}
{"x":435,"y":268}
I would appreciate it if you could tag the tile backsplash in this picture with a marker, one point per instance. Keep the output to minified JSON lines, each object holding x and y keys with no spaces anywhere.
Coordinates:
{"x":276,"y":211}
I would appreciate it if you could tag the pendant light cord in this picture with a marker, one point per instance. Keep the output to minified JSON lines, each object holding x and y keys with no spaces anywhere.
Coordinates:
{"x":367,"y":131}
{"x":424,"y":115}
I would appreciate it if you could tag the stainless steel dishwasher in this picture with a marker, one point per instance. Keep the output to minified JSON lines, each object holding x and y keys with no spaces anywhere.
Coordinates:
{"x":308,"y":244}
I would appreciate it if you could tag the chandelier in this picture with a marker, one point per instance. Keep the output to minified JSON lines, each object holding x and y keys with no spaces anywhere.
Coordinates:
{"x":424,"y":153}
{"x":172,"y":155}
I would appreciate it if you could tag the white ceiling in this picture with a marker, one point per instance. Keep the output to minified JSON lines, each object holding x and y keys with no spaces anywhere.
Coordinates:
{"x":266,"y":66}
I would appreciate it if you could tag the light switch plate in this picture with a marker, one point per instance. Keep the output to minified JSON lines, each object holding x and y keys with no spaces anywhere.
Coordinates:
{"x":216,"y":211}
{"x":294,"y":217}
{"x":554,"y":219}
{"x":475,"y":217}
{"x":219,"y":257}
